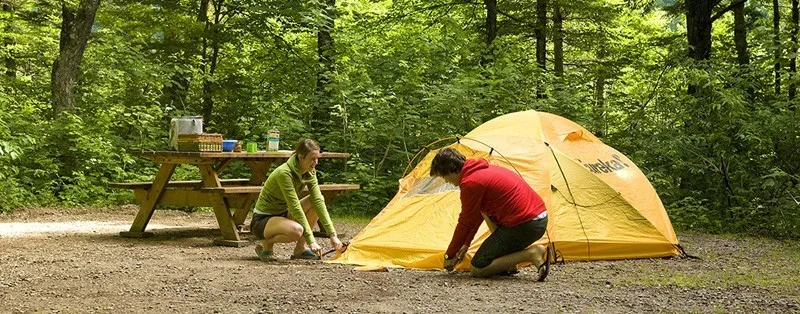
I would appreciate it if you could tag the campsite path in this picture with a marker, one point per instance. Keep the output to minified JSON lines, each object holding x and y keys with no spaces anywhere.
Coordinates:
{"x":72,"y":260}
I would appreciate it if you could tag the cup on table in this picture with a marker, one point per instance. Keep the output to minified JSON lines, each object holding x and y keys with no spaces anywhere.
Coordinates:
{"x":252,"y":147}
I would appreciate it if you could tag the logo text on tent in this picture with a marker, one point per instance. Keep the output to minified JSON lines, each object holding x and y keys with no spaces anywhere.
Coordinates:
{"x":607,"y":166}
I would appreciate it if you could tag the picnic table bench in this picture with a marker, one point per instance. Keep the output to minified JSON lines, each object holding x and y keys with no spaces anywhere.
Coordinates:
{"x":223,"y":195}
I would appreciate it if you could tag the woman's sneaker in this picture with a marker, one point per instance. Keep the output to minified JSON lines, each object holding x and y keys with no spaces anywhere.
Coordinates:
{"x":265,"y":256}
{"x":307,"y":254}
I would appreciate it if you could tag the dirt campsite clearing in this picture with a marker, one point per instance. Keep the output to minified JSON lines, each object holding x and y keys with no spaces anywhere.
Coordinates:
{"x":73,"y":260}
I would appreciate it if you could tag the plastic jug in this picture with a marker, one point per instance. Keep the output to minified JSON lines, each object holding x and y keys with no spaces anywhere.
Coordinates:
{"x":184,"y":125}
{"x":273,"y":139}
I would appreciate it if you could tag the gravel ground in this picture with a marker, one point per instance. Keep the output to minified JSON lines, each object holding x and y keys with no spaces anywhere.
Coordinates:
{"x":72,"y":260}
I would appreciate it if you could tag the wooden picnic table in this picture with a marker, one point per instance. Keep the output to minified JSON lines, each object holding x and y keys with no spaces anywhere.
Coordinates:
{"x":222,"y":195}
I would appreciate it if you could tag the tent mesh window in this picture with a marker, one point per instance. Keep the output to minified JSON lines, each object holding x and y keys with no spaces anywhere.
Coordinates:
{"x":429,"y":185}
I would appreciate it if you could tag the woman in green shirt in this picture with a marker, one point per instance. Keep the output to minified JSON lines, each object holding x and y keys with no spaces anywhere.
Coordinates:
{"x":280,"y":216}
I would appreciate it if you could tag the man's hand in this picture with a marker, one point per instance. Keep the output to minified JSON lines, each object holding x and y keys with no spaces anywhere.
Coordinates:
{"x":450,"y":264}
{"x":461,"y":253}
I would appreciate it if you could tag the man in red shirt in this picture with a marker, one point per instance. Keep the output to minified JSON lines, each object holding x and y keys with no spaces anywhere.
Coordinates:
{"x":514,"y":212}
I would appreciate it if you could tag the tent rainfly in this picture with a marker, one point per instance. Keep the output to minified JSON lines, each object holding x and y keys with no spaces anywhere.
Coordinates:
{"x":600,"y":205}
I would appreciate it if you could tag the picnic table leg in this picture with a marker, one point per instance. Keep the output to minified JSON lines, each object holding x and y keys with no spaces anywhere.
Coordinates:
{"x":258,"y":171}
{"x":258,"y":174}
{"x":230,"y":236}
{"x":328,"y":196}
{"x":149,"y":204}
{"x":222,"y":164}
{"x":241,"y":213}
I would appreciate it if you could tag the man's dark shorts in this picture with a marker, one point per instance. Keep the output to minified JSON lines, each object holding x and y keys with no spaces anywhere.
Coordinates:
{"x":259,"y":222}
{"x":504,"y":241}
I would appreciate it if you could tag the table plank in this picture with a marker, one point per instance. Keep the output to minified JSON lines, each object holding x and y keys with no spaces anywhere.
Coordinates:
{"x":175,"y":184}
{"x":247,"y":189}
{"x":152,"y":154}
{"x":194,"y":197}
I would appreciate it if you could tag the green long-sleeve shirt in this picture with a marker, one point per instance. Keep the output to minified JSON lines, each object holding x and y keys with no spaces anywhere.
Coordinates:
{"x":280,"y":193}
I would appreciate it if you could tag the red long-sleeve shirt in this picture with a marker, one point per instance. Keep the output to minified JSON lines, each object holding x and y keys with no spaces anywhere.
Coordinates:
{"x":498,"y":193}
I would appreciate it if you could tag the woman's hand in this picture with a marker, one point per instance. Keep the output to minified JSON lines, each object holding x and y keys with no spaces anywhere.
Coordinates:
{"x":336,"y":243}
{"x":316,"y":248}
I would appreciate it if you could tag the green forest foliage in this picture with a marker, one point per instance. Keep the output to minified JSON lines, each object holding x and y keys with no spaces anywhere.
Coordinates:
{"x":724,"y":158}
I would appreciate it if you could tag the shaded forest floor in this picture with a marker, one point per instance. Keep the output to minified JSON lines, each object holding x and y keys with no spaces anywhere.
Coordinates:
{"x":72,"y":260}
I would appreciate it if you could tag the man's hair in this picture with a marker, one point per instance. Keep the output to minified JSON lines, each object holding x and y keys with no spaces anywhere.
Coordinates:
{"x":447,"y":161}
{"x":305,"y":146}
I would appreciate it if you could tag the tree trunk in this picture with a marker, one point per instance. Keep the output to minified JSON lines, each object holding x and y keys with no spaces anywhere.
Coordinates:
{"x":740,"y":35}
{"x":793,"y":61}
{"x":698,"y":32}
{"x":541,"y":40}
{"x":558,"y":40}
{"x":491,"y":30}
{"x":599,"y":93}
{"x":698,"y":28}
{"x":202,"y":12}
{"x":176,"y":92}
{"x":76,"y":27}
{"x":210,"y":63}
{"x":10,"y":62}
{"x":740,"y":42}
{"x":202,"y":16}
{"x":776,"y":30}
{"x":326,"y":59}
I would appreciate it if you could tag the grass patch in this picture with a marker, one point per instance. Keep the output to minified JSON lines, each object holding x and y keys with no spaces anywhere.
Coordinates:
{"x":764,"y":277}
{"x":352,"y":218}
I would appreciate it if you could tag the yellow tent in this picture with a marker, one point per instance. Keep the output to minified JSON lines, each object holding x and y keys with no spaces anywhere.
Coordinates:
{"x":600,"y":205}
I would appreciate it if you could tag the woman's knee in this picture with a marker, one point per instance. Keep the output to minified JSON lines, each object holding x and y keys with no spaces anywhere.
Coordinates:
{"x":283,"y":227}
{"x":293,"y":230}
{"x":297,"y":230}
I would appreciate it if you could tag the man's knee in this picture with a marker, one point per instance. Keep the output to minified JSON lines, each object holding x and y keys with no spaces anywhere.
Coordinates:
{"x":478,"y":267}
{"x":479,"y":262}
